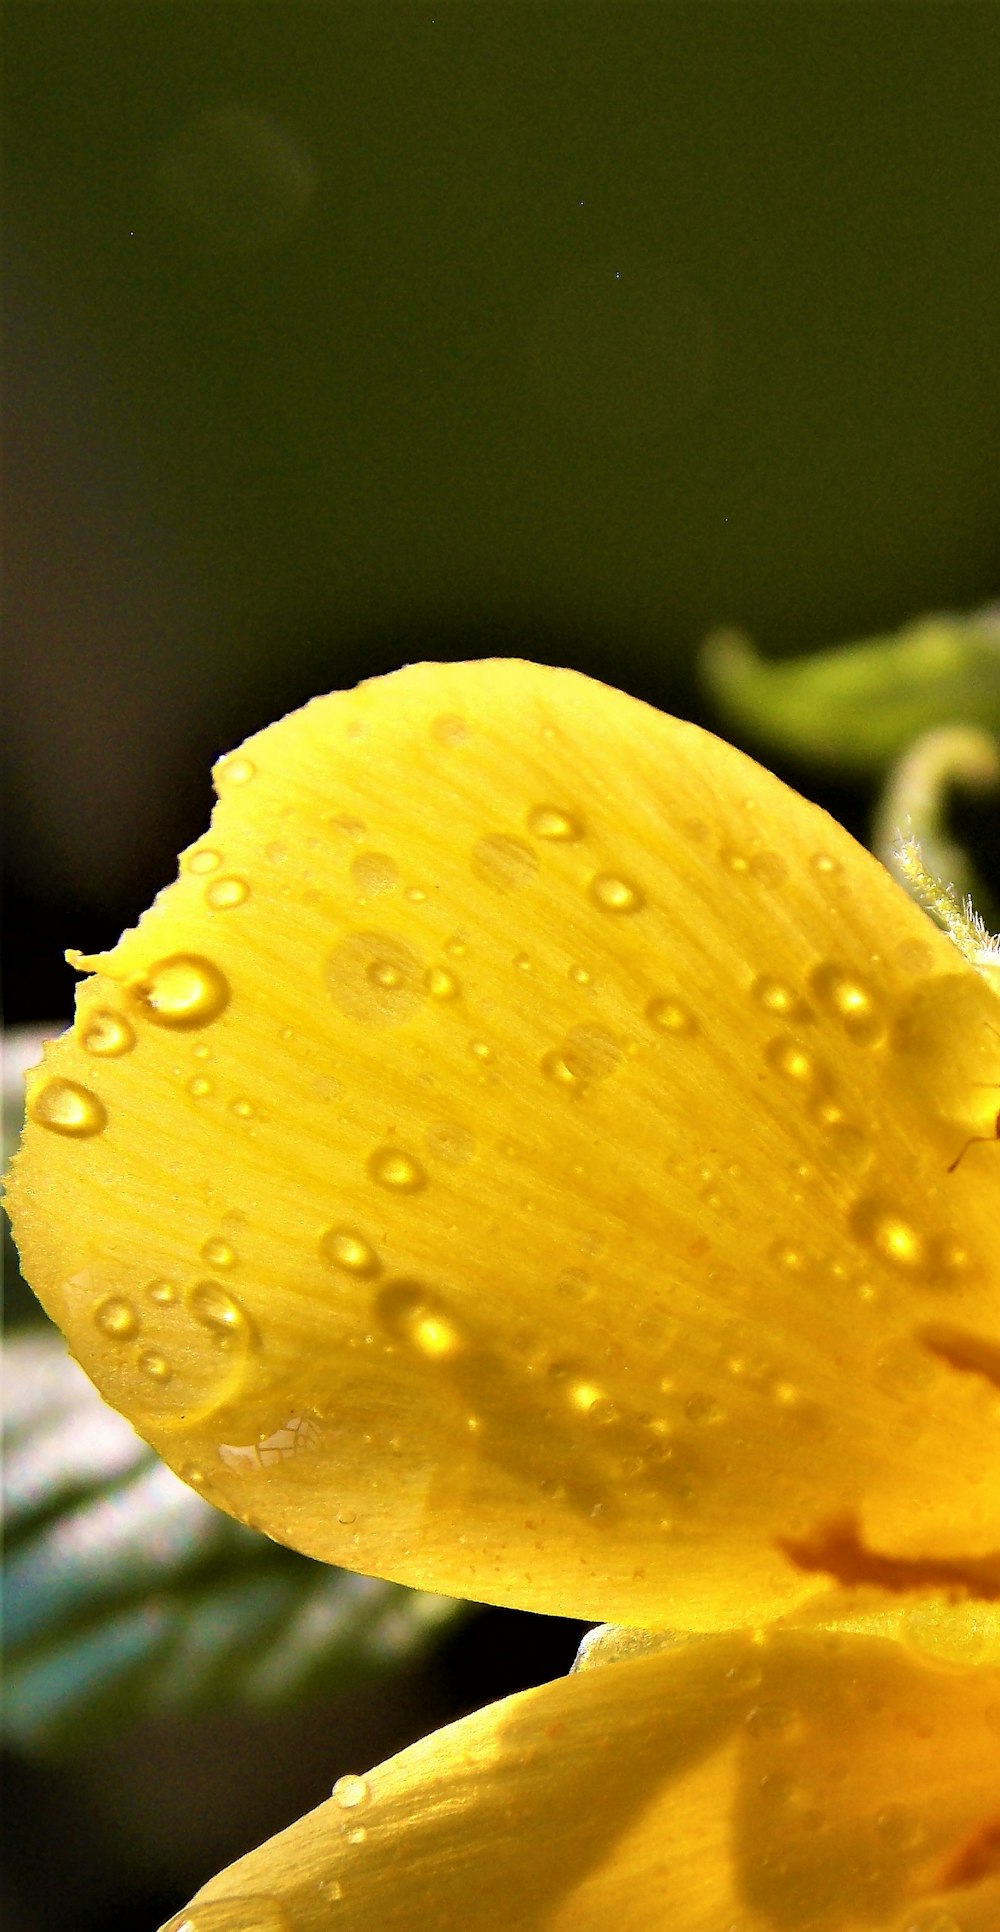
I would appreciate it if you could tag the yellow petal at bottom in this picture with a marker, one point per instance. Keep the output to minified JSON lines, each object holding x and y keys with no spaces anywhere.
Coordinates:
{"x":532,"y":1154}
{"x":804,"y":1781}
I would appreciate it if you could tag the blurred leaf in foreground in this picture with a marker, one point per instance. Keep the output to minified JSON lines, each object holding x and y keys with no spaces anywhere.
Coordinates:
{"x":858,"y":707}
{"x":127,"y":1594}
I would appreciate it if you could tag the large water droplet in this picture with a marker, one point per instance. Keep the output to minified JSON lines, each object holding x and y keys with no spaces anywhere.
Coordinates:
{"x":223,"y":893}
{"x":117,"y":1318}
{"x":106,"y":1033}
{"x":351,"y":1791}
{"x":373,"y":872}
{"x":614,"y":894}
{"x":400,"y":1172}
{"x":67,"y":1108}
{"x":182,"y":992}
{"x":375,"y":978}
{"x":347,"y":1249}
{"x":504,"y":862}
{"x":554,"y":822}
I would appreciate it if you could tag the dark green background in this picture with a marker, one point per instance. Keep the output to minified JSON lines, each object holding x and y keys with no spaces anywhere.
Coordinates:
{"x":340,"y":334}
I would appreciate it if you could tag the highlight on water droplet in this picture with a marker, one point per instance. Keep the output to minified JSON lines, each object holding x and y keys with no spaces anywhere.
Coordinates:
{"x":351,"y":1791}
{"x":671,"y":1016}
{"x":223,"y":893}
{"x":614,"y":894}
{"x":225,"y":1319}
{"x":105,"y":1033}
{"x":555,"y":823}
{"x":65,"y":1107}
{"x":184,"y":991}
{"x":504,"y":862}
{"x":347,"y":1249}
{"x":117,"y":1318}
{"x":396,"y":1170}
{"x":375,"y":978}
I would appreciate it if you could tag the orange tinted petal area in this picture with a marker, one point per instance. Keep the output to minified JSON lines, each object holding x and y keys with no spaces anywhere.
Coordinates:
{"x":806,"y":1782}
{"x":517,"y":1158}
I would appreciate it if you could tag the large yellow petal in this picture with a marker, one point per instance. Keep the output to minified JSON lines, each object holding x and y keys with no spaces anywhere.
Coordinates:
{"x":517,"y":1157}
{"x":806,"y":1782}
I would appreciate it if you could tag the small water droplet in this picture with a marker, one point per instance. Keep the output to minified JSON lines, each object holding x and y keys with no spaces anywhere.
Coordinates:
{"x":824,"y":866}
{"x":67,"y":1108}
{"x":614,"y":894}
{"x":241,"y":1107}
{"x":590,"y":1052}
{"x":848,"y":997}
{"x":223,"y":893}
{"x":671,"y":1016}
{"x":892,"y":1236}
{"x":357,"y":1834}
{"x":198,"y":1087}
{"x":776,"y":996}
{"x":161,"y":1291}
{"x":481,"y":1050}
{"x":375,"y":978}
{"x":374,"y":872}
{"x":194,"y":1474}
{"x":457,"y":946}
{"x":347,"y":1249}
{"x":155,"y":1366}
{"x":792,"y":1060}
{"x":219,"y":1254}
{"x":416,"y":895}
{"x":183,"y":992}
{"x":734,"y":861}
{"x":554,"y":822}
{"x":579,"y":975}
{"x":116,"y":1317}
{"x":235,"y":771}
{"x":203,"y":860}
{"x":450,"y":729}
{"x":106,"y":1033}
{"x":350,"y":1791}
{"x":522,"y":962}
{"x":440,"y":984}
{"x":219,"y":1312}
{"x":504,"y":862}
{"x":391,"y":1167}
{"x":448,"y":1140}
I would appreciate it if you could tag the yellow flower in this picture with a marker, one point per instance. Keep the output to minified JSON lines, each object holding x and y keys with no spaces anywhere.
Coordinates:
{"x":532,"y":1154}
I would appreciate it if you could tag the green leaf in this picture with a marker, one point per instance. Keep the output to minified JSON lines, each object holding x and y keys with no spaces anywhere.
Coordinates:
{"x":856,"y":708}
{"x":128,"y":1594}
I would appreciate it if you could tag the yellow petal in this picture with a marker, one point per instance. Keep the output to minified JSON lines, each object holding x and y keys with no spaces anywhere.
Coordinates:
{"x":808,"y":1782}
{"x":517,"y":1157}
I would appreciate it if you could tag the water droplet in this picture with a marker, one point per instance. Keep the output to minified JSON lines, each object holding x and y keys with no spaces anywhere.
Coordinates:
{"x":450,"y":729}
{"x":415,"y":894}
{"x":553,"y":822}
{"x":734,"y":861}
{"x":579,"y":975}
{"x":504,"y":862}
{"x":457,"y":946}
{"x":391,"y":1167}
{"x":824,"y":866}
{"x":357,"y":1835}
{"x":203,"y":860}
{"x":116,"y":1317}
{"x":670,"y":1016}
{"x":420,"y":1317}
{"x":792,"y":1060}
{"x":481,"y":1050}
{"x":155,"y":1366}
{"x":194,"y":1474}
{"x":223,"y":893}
{"x":199,"y":1088}
{"x":522,"y":962}
{"x":441,"y":985}
{"x":776,"y":996}
{"x":67,"y":1108}
{"x":106,"y":1033}
{"x":614,"y":894}
{"x":851,"y":1000}
{"x":241,"y":1107}
{"x":219,"y":1254}
{"x":448,"y":1140}
{"x":590,"y":1052}
{"x":373,"y":872}
{"x":351,"y":827}
{"x":235,"y":771}
{"x":891,"y":1235}
{"x":161,"y":1291}
{"x":375,"y":978}
{"x":347,"y":1249}
{"x":184,"y":991}
{"x":219,"y":1312}
{"x":351,"y":1791}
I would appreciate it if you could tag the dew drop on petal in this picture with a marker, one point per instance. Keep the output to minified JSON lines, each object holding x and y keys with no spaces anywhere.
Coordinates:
{"x":117,"y":1318}
{"x":106,"y":1034}
{"x":391,"y":1167}
{"x":219,"y":1312}
{"x":504,"y":862}
{"x":351,"y":1791}
{"x":374,"y":872}
{"x":776,"y":996}
{"x":198,"y":1087}
{"x":203,"y":860}
{"x":671,"y":1016}
{"x":345,"y":1248}
{"x":182,"y":992}
{"x":219,"y":1254}
{"x":555,"y":823}
{"x":223,"y":893}
{"x":155,"y":1365}
{"x":375,"y":978}
{"x":616,"y":895}
{"x":591,"y":1052}
{"x":849,"y":999}
{"x":236,"y":771}
{"x":67,"y":1108}
{"x":440,"y":984}
{"x":161,"y":1291}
